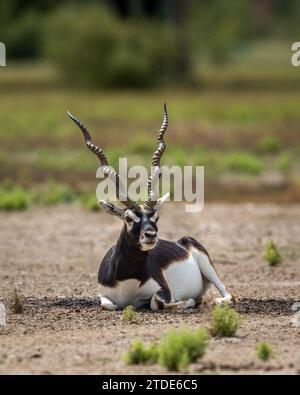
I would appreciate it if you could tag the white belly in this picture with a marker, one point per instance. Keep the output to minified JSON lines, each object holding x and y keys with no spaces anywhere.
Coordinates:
{"x":184,"y":279}
{"x":129,"y":292}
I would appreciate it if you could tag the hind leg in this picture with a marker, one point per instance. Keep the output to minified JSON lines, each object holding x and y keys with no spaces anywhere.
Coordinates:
{"x":209,"y":272}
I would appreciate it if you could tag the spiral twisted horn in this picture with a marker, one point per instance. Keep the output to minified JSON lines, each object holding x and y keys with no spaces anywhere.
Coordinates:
{"x":106,"y":169}
{"x":156,"y":172}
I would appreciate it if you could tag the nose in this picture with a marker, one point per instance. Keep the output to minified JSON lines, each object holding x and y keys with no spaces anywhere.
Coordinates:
{"x":150,"y":233}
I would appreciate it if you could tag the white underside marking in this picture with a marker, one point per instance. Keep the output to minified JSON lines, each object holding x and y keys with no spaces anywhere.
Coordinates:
{"x":129,"y":292}
{"x":184,"y":279}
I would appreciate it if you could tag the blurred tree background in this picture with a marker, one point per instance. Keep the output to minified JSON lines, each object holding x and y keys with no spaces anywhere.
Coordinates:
{"x":140,"y":43}
{"x":224,"y":67}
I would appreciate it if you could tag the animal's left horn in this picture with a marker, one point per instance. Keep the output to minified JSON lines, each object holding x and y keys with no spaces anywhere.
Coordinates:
{"x":155,"y":175}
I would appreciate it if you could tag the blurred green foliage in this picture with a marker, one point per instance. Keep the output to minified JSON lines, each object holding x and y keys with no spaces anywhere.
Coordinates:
{"x":22,"y":36}
{"x":100,"y":50}
{"x":217,"y":27}
{"x":243,"y":162}
{"x":53,"y":193}
{"x":13,"y":199}
{"x":269,"y":145}
{"x":144,"y":43}
{"x":238,"y":116}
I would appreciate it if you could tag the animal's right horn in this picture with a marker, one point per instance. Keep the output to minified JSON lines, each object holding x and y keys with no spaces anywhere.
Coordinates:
{"x":106,"y":169}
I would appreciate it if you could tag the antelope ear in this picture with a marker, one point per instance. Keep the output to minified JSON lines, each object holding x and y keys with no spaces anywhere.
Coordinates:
{"x":112,"y":209}
{"x":161,"y":201}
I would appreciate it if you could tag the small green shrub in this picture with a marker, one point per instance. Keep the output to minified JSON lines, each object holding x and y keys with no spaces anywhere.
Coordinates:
{"x":269,"y":145}
{"x":225,"y":321}
{"x":272,"y":254}
{"x":178,"y":349}
{"x":243,"y":162}
{"x":13,"y":199}
{"x":172,"y":354}
{"x":128,"y":314}
{"x":140,"y":354}
{"x":194,"y":342}
{"x":264,"y":351}
{"x":152,"y":352}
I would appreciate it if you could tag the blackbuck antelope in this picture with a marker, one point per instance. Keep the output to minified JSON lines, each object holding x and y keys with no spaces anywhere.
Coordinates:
{"x":141,"y":269}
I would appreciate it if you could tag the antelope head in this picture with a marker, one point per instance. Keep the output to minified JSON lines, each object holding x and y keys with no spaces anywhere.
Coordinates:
{"x":140,"y":220}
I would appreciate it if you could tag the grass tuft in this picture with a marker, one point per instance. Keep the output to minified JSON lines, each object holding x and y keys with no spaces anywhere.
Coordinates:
{"x":264,"y":351}
{"x":225,"y":321}
{"x":178,"y":349}
{"x":128,"y":314}
{"x":140,"y":354}
{"x":271,"y":254}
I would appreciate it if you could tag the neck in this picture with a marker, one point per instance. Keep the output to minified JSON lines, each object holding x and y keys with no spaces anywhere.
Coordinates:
{"x":129,"y":255}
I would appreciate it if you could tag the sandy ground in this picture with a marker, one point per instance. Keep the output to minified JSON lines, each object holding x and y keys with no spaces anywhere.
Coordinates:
{"x":51,"y":255}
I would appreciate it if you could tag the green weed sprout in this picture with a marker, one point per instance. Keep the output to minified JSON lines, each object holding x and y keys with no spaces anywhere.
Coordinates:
{"x":264,"y":351}
{"x":128,"y":314}
{"x":271,"y":254}
{"x":225,"y":321}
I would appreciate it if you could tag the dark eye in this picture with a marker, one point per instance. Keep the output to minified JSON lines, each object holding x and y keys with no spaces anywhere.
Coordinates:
{"x":129,"y":220}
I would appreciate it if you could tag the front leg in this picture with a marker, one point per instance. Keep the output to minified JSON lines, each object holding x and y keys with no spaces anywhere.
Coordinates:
{"x":157,"y":303}
{"x":107,"y":304}
{"x":162,"y":299}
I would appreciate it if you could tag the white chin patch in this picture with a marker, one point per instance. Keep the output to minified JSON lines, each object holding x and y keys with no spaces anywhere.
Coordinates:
{"x":147,"y":246}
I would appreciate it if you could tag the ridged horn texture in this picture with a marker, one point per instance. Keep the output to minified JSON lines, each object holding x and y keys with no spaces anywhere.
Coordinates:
{"x":106,"y":169}
{"x":156,"y":172}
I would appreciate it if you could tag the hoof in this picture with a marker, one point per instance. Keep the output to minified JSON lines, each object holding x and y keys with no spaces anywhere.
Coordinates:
{"x":190,"y":303}
{"x":229,"y":299}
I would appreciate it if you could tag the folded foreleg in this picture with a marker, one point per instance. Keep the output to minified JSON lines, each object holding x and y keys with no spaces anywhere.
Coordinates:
{"x":162,"y":299}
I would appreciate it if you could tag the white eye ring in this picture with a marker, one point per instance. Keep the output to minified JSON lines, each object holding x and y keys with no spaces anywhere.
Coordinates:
{"x":131,"y":217}
{"x":154,"y":218}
